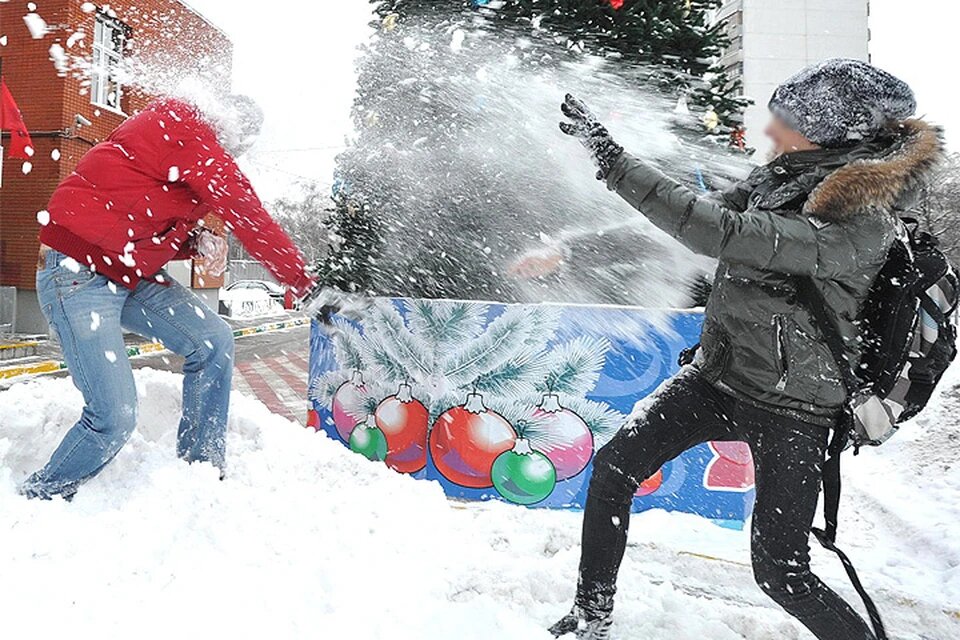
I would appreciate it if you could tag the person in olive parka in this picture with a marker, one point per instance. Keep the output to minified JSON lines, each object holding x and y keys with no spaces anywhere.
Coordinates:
{"x":850,"y":157}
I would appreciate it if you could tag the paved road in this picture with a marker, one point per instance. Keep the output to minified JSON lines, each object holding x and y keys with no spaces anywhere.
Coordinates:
{"x":269,"y":366}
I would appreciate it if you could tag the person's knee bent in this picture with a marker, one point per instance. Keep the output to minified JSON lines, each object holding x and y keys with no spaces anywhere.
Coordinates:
{"x":609,"y":482}
{"x":217,"y":345}
{"x":223,"y":341}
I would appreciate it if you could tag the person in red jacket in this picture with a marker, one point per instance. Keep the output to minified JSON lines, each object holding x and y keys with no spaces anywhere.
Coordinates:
{"x":134,"y":203}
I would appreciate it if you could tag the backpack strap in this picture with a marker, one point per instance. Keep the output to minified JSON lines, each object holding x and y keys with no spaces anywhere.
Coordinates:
{"x":812,"y":299}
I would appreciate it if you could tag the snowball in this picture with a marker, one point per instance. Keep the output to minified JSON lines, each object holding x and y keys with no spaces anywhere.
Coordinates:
{"x":55,"y":155}
{"x":173,"y":174}
{"x":36,"y":25}
{"x":59,"y":56}
{"x":88,"y":7}
{"x":94,"y":321}
{"x":43,"y":217}
{"x":27,"y":168}
{"x":110,"y":356}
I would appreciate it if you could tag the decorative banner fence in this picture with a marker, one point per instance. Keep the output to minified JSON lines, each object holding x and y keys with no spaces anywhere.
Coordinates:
{"x":510,"y":402}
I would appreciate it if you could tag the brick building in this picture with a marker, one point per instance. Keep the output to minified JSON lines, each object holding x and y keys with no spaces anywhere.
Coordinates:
{"x":68,"y":64}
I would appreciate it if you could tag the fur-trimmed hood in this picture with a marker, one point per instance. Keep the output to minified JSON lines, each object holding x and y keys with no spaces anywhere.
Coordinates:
{"x":879,"y":174}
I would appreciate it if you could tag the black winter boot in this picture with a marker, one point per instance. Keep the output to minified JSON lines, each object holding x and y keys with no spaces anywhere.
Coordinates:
{"x":584,"y":626}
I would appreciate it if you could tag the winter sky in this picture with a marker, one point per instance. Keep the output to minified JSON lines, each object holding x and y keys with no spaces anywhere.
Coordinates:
{"x":300,"y":67}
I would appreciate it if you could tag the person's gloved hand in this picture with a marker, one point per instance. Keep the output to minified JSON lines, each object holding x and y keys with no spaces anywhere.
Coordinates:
{"x":325,"y":302}
{"x":537,"y":263}
{"x":593,"y":135}
{"x":214,"y":250}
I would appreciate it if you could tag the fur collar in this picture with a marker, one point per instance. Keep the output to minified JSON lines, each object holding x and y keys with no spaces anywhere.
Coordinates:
{"x":879,"y":180}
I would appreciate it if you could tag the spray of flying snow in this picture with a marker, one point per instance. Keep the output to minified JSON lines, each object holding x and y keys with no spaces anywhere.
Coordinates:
{"x":490,"y":178}
{"x":167,"y":69}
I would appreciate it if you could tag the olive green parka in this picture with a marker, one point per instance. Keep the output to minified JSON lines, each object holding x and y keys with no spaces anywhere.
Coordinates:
{"x":830,"y":215}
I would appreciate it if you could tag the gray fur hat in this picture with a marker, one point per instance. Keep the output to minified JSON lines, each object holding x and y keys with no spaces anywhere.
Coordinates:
{"x":842,"y":100}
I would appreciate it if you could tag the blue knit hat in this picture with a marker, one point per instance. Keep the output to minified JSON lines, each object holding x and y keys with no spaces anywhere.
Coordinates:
{"x":842,"y":100}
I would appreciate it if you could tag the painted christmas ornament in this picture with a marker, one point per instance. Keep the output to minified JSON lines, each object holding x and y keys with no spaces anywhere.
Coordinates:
{"x":566,"y":439}
{"x":731,"y":469}
{"x":736,"y":452}
{"x":650,"y":485}
{"x":404,"y":421}
{"x":524,"y":476}
{"x":345,"y":403}
{"x":465,"y":442}
{"x":367,"y":440}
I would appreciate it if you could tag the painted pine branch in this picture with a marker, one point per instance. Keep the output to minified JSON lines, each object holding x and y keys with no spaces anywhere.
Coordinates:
{"x":347,"y":344}
{"x":412,"y":353}
{"x":444,"y":324}
{"x":505,"y":338}
{"x":515,"y":378}
{"x":602,"y":421}
{"x":323,"y":387}
{"x":574,"y":367}
{"x":542,"y":325}
{"x":380,"y":363}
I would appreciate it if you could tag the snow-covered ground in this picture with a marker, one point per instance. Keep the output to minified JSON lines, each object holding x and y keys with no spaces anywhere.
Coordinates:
{"x":305,"y":540}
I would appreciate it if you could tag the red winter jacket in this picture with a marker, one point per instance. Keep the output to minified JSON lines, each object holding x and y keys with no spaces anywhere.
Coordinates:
{"x":133,"y":199}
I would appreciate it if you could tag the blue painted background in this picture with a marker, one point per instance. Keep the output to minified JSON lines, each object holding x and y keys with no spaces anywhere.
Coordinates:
{"x":646,"y":345}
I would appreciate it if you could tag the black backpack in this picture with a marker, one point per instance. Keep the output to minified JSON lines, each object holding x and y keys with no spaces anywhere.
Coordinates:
{"x":908,"y":340}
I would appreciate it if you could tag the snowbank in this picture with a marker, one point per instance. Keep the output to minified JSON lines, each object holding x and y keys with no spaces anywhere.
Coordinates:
{"x":305,"y":540}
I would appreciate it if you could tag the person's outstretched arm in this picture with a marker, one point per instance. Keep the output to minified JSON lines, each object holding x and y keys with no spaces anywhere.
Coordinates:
{"x":216,"y":179}
{"x":800,"y":245}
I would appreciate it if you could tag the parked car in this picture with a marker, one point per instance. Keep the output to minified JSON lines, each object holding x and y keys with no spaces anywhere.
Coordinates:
{"x":272,"y":289}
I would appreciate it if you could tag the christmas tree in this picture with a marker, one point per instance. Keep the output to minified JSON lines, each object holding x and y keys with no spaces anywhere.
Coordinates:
{"x":676,"y":40}
{"x":428,"y":202}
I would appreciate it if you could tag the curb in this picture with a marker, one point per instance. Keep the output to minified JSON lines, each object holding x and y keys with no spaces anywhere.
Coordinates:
{"x":19,"y":345}
{"x":147,"y":348}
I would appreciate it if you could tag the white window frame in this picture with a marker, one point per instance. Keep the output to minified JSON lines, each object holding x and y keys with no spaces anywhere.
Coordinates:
{"x":109,"y":45}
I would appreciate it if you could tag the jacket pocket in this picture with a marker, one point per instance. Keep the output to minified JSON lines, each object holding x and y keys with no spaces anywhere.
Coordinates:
{"x":781,"y":355}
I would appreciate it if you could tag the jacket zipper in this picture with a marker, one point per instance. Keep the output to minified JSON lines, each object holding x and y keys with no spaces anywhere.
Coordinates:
{"x":781,"y":341}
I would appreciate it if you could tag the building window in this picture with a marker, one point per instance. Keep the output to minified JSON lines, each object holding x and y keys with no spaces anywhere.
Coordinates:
{"x":109,"y":44}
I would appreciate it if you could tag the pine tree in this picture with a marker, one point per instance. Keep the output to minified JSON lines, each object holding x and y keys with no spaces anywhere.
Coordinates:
{"x":404,"y":232}
{"x":676,"y":39}
{"x":354,"y":245}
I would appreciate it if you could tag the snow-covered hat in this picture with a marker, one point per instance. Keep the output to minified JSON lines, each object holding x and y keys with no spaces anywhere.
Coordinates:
{"x":842,"y":100}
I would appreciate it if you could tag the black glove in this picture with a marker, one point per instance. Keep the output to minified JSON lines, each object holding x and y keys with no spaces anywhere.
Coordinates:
{"x":324,"y":302}
{"x":593,"y":135}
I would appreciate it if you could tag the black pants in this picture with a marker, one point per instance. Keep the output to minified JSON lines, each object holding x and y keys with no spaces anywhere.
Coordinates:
{"x":788,"y":455}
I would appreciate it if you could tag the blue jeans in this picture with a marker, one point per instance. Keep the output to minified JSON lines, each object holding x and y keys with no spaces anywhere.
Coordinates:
{"x":89,"y":312}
